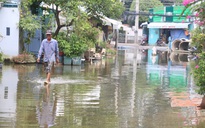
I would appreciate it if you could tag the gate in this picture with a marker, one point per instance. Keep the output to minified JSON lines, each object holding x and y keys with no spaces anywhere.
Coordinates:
{"x":121,"y":37}
{"x":35,"y":44}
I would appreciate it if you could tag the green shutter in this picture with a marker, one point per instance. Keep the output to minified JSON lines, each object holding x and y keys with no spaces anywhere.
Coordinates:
{"x":151,"y":17}
{"x":169,"y":10}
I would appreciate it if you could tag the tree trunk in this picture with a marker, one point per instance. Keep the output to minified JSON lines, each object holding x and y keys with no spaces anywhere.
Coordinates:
{"x":202,"y":105}
{"x":57,"y":12}
{"x":59,"y":26}
{"x":57,"y":31}
{"x":21,"y":42}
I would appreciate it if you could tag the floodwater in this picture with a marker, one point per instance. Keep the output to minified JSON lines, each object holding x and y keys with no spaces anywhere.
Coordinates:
{"x":134,"y":89}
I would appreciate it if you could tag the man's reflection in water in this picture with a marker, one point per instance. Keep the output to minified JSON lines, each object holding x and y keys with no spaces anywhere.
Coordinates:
{"x":46,"y":109}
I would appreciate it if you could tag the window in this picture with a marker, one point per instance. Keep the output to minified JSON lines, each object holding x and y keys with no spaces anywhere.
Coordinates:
{"x":6,"y":90}
{"x":7,"y":31}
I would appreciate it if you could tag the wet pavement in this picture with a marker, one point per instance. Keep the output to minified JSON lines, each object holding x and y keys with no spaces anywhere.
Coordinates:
{"x":134,"y":89}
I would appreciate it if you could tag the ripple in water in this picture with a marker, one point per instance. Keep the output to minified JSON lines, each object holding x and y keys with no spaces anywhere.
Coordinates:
{"x":59,"y":80}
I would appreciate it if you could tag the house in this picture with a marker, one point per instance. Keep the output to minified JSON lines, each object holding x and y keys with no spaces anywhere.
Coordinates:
{"x":166,"y":22}
{"x":9,"y":30}
{"x":126,"y":33}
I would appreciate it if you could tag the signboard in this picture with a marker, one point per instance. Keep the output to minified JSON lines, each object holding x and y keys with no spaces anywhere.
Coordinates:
{"x":168,"y":25}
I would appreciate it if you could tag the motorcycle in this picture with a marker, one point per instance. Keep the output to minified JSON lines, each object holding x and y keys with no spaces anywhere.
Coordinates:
{"x":144,"y":40}
{"x":160,"y":42}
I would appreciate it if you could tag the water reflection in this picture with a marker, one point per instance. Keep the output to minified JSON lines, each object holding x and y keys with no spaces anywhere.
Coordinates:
{"x":162,"y":71}
{"x":134,"y":89}
{"x":46,"y":108}
{"x":8,"y":100}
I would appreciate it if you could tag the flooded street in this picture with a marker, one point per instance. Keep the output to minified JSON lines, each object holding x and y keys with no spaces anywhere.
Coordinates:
{"x":130,"y":90}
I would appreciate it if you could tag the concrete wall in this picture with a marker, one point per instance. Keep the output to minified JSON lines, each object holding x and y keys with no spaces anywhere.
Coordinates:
{"x":130,"y":36}
{"x":9,"y":44}
{"x":153,"y":36}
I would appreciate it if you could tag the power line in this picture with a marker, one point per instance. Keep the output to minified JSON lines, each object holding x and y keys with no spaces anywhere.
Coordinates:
{"x":152,"y":14}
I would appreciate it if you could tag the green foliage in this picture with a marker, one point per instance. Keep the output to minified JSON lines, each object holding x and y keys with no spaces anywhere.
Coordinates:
{"x":198,"y":39}
{"x":1,"y":57}
{"x":109,"y":8}
{"x":144,"y":6}
{"x":102,"y":44}
{"x":77,"y":45}
{"x":67,"y":13}
{"x":63,"y":43}
{"x":197,"y":6}
{"x":82,"y":37}
{"x":83,"y":28}
{"x":73,"y":45}
{"x":199,"y":74}
{"x":28,"y":22}
{"x":110,"y":52}
{"x":29,"y":26}
{"x":71,"y":9}
{"x":2,"y":0}
{"x":62,"y":40}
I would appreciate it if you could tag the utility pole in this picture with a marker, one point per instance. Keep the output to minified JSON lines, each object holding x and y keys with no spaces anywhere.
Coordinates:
{"x":136,"y":21}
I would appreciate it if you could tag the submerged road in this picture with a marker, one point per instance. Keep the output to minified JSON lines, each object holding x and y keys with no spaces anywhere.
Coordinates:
{"x":130,"y":46}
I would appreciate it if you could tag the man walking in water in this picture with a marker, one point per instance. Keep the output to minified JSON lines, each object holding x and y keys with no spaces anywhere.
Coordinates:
{"x":49,"y":47}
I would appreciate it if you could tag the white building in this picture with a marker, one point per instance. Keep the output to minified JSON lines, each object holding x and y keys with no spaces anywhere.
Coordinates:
{"x":9,"y":31}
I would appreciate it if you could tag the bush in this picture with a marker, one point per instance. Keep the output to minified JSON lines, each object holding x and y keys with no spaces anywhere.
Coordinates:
{"x":110,"y":52}
{"x":73,"y":45}
{"x":24,"y":58}
{"x":63,"y":44}
{"x":198,"y":39}
{"x":1,"y":57}
{"x":199,"y":74}
{"x":78,"y":45}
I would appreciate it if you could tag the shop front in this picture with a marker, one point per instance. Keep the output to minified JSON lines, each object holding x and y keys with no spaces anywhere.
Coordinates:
{"x":168,"y":32}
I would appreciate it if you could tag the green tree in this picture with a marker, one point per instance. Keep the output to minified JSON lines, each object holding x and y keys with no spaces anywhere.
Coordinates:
{"x":66,"y":13}
{"x":127,"y":4}
{"x":70,"y":9}
{"x":144,"y":6}
{"x":198,"y":40}
{"x":28,"y":23}
{"x":109,"y":8}
{"x":77,"y":41}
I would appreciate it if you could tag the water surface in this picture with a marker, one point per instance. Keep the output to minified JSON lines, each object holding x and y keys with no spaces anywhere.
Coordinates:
{"x":126,"y":91}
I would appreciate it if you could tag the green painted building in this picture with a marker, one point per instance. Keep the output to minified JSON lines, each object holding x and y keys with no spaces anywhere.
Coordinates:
{"x":169,"y":14}
{"x":168,"y":22}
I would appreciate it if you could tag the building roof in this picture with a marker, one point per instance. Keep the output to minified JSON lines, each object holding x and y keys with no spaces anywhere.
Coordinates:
{"x":108,"y":21}
{"x":168,"y":25}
